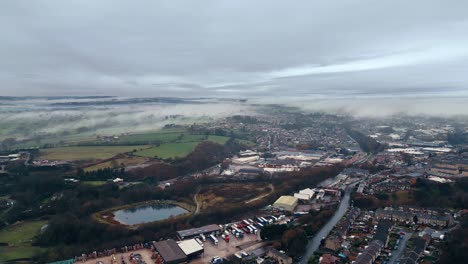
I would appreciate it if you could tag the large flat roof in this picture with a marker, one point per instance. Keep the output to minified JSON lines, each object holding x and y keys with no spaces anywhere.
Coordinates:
{"x":190,"y":246}
{"x":170,"y":251}
{"x":198,"y":230}
{"x":286,"y":199}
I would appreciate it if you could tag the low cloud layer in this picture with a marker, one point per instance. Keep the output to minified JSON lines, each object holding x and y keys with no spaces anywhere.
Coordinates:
{"x":254,"y":49}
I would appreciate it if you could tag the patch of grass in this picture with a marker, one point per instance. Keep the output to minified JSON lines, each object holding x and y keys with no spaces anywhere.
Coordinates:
{"x":21,"y":252}
{"x":149,"y":138}
{"x":127,"y":161}
{"x":181,"y":148}
{"x":218,"y":139}
{"x":21,"y":233}
{"x":94,"y":183}
{"x":169,"y":150}
{"x":85,"y":152}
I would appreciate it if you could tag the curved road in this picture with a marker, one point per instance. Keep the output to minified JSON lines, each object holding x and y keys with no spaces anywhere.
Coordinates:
{"x":314,"y":243}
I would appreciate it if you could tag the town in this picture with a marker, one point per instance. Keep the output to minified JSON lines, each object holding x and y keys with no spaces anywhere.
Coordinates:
{"x":284,"y":188}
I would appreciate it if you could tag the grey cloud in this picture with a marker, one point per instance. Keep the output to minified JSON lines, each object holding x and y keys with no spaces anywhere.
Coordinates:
{"x":308,"y":49}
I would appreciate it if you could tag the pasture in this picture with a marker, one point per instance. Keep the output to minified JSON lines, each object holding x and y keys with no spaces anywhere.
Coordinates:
{"x":117,"y":163}
{"x":169,"y":150}
{"x":86,"y":152}
{"x":180,"y":148}
{"x":19,"y":237}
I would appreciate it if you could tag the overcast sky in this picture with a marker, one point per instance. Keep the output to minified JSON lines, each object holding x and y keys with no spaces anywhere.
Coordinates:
{"x":278,"y":49}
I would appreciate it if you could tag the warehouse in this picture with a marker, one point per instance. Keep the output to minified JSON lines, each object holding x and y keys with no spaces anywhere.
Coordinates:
{"x":170,"y":252}
{"x":286,"y":203}
{"x":194,"y":232}
{"x":191,"y":248}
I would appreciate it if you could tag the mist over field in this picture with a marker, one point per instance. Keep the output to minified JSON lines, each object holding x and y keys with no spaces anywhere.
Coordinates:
{"x":87,"y":116}
{"x":30,"y":117}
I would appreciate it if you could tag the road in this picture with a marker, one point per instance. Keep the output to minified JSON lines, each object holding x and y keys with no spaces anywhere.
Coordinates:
{"x":195,"y":199}
{"x":314,"y":244}
{"x":397,"y":254}
{"x":272,"y":189}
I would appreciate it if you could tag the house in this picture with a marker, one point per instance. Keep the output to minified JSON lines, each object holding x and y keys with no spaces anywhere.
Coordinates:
{"x":383,"y":231}
{"x":332,"y":243}
{"x":410,"y":214}
{"x":371,"y":253}
{"x":328,"y":259}
{"x":419,"y":245}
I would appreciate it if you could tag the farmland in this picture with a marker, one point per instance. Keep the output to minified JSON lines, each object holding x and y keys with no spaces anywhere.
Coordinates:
{"x":165,"y":144}
{"x":180,"y":148}
{"x":18,"y":239}
{"x":117,"y":162}
{"x":86,"y":152}
{"x":169,"y":150}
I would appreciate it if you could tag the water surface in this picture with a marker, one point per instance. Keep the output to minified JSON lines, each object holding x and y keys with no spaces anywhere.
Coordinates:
{"x":147,"y":213}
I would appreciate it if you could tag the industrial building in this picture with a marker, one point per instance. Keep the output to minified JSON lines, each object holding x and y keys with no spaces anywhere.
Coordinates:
{"x":191,"y":248}
{"x":170,"y":252}
{"x":194,"y":232}
{"x":305,"y":194}
{"x":286,"y":203}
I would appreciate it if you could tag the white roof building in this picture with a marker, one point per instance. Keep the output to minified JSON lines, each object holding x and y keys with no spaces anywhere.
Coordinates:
{"x":307,"y":191}
{"x":301,"y":196}
{"x":190,"y":247}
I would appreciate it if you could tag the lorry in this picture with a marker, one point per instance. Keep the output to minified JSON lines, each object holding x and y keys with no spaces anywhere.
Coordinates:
{"x":214,"y":240}
{"x":203,"y":238}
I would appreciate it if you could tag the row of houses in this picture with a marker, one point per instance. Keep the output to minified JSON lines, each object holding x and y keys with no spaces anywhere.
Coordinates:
{"x":379,"y":242}
{"x":410,"y":215}
{"x":419,"y":245}
{"x":333,"y":242}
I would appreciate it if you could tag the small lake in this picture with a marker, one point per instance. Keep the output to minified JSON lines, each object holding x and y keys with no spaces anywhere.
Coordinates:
{"x":147,"y":213}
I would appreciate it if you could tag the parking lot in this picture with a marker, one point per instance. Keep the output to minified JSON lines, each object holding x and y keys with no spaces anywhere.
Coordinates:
{"x":223,"y":249}
{"x":145,"y":255}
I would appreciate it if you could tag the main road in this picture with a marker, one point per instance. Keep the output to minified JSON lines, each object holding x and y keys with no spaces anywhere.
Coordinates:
{"x":314,"y":243}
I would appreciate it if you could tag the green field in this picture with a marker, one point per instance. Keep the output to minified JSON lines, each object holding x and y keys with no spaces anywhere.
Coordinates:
{"x":181,"y":148}
{"x":174,"y":144}
{"x":18,"y":237}
{"x":21,"y":233}
{"x":126,"y":161}
{"x":85,"y":152}
{"x":169,"y":150}
{"x":94,"y":183}
{"x":158,"y":137}
{"x":21,"y":252}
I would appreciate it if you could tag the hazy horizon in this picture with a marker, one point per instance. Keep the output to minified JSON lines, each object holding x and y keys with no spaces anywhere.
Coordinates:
{"x":306,"y":53}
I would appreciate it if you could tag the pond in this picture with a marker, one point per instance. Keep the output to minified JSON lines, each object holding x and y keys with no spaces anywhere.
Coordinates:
{"x":147,"y":213}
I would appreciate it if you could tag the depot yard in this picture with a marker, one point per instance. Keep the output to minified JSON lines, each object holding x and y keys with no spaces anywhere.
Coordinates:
{"x":145,"y":256}
{"x":225,"y":249}
{"x":233,"y":240}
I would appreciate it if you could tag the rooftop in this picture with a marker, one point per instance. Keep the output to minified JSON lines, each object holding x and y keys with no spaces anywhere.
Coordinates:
{"x":169,"y":250}
{"x":286,"y":199}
